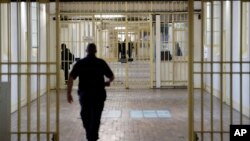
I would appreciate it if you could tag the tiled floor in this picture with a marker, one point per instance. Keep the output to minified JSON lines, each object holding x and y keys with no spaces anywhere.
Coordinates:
{"x":134,"y":115}
{"x":138,"y":115}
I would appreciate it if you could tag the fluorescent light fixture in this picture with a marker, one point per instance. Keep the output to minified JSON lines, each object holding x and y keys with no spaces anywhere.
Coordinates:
{"x":109,"y":16}
{"x":120,"y":27}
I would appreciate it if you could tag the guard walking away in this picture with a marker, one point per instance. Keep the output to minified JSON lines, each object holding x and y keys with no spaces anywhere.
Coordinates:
{"x":91,"y":89}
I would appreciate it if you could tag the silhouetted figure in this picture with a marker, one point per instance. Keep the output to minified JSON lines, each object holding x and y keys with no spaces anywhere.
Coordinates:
{"x":166,"y":55}
{"x":123,"y":50}
{"x":67,"y":58}
{"x":91,"y":89}
{"x":178,"y":51}
{"x":130,"y":50}
{"x":119,"y":50}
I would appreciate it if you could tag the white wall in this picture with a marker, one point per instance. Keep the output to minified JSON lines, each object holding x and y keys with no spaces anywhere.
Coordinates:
{"x":197,"y":50}
{"x":19,"y":47}
{"x":236,"y":79}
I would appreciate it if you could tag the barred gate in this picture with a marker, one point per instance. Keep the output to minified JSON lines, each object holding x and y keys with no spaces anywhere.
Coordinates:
{"x":28,"y":62}
{"x":173,"y":49}
{"x":122,"y":40}
{"x":218,"y":65}
{"x":220,"y":68}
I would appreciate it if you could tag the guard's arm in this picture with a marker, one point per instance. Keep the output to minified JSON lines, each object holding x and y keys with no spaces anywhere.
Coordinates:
{"x":107,"y":83}
{"x":69,"y":89}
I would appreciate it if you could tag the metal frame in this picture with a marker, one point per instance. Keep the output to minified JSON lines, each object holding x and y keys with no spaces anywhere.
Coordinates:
{"x":224,"y":69}
{"x":25,"y":63}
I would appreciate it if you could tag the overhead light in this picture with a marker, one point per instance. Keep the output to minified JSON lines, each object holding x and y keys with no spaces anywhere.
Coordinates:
{"x":120,"y":27}
{"x":109,"y":16}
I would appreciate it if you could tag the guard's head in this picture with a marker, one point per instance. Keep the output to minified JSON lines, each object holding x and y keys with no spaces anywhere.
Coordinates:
{"x":63,"y":46}
{"x":91,"y":48}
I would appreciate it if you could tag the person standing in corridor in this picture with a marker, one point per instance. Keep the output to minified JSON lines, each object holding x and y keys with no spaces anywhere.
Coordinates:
{"x":67,"y":58}
{"x":91,"y":89}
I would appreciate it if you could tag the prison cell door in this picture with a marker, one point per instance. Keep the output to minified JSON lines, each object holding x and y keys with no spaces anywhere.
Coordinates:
{"x":28,"y":63}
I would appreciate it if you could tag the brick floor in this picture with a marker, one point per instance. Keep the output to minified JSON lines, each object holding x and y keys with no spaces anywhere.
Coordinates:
{"x":121,"y":126}
{"x":145,"y":124}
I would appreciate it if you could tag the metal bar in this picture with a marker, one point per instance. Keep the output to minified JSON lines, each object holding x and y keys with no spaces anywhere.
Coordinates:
{"x":25,"y":73}
{"x":48,"y":70}
{"x":100,"y":39}
{"x":221,"y":69}
{"x":202,"y":70}
{"x":231,"y":60}
{"x":241,"y":48}
{"x":190,"y":70}
{"x":173,"y":41}
{"x":9,"y":46}
{"x":165,"y":64}
{"x":28,"y":63}
{"x":58,"y":69}
{"x":123,"y":12}
{"x":223,"y":72}
{"x":151,"y":52}
{"x":38,"y":69}
{"x":32,"y":132}
{"x":126,"y":48}
{"x":18,"y":13}
{"x":28,"y":58}
{"x":211,"y":70}
{"x":224,"y":62}
{"x":158,"y":51}
{"x":1,"y":40}
{"x":215,"y":131}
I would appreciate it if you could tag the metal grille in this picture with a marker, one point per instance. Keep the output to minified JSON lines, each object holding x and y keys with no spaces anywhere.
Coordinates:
{"x":173,"y":50}
{"x":123,"y":6}
{"x":223,"y":68}
{"x":28,"y":63}
{"x":217,"y":65}
{"x":122,"y":40}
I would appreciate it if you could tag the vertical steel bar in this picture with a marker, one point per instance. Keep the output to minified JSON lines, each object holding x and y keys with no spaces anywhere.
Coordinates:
{"x":190,"y":70}
{"x":80,"y":38}
{"x":38,"y":9}
{"x":126,"y":48}
{"x":241,"y":48}
{"x":57,"y":69}
{"x":48,"y":70}
{"x":221,"y":69}
{"x":151,"y":52}
{"x":1,"y":40}
{"x":100,"y":36}
{"x":18,"y":12}
{"x":158,"y":51}
{"x":174,"y":32}
{"x":28,"y":57}
{"x":211,"y":72}
{"x":202,"y":69}
{"x":231,"y":62}
{"x":9,"y":48}
{"x":174,"y":35}
{"x":165,"y":65}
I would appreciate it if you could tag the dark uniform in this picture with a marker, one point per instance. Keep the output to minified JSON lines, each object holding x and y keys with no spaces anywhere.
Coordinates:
{"x":67,"y":58}
{"x":91,"y":90}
